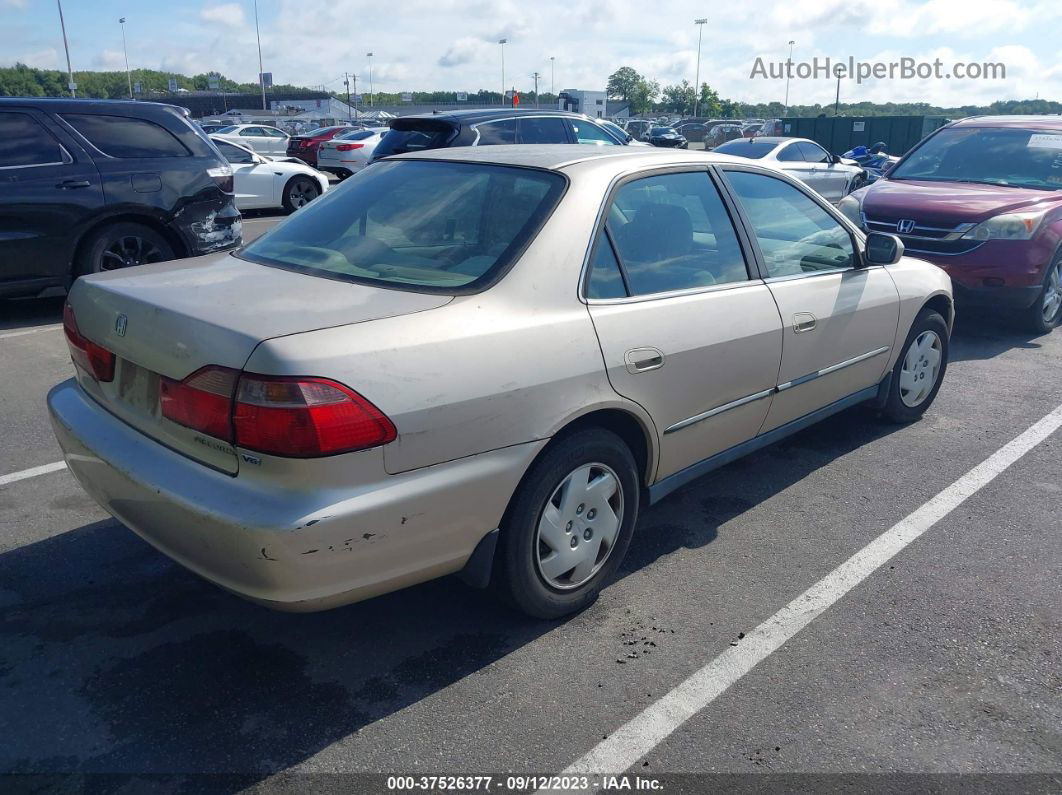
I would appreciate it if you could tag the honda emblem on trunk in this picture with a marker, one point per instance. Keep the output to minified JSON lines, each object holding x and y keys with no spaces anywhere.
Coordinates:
{"x":905,"y":226}
{"x":120,"y":323}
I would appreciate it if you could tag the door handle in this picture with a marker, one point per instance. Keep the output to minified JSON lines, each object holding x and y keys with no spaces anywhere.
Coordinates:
{"x":641,"y":360}
{"x":803,"y":321}
{"x":74,"y":183}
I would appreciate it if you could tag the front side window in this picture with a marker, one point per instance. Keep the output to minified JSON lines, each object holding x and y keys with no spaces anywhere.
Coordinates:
{"x":422,"y":224}
{"x":791,"y":154}
{"x":234,"y":154}
{"x":125,"y":137}
{"x":24,"y":142}
{"x":252,"y":132}
{"x":589,"y":133}
{"x":794,"y":233}
{"x":813,"y":153}
{"x":671,"y":232}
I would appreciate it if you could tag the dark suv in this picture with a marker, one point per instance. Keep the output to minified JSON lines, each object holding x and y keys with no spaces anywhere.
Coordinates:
{"x":501,"y":126}
{"x":93,"y":185}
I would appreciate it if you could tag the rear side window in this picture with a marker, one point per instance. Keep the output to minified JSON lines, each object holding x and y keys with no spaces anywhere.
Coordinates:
{"x":542,"y":131}
{"x":24,"y":142}
{"x":125,"y":137}
{"x":414,"y":135}
{"x":497,"y":132}
{"x":358,"y":135}
{"x":439,"y":226}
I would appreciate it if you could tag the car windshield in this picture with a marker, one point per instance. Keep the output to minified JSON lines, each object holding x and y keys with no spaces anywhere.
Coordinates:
{"x":318,"y":131}
{"x":228,"y":129}
{"x":989,"y":155}
{"x":425,"y":224}
{"x":745,"y":147}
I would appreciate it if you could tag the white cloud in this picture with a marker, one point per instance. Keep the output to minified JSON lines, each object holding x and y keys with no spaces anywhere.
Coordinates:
{"x":227,"y":14}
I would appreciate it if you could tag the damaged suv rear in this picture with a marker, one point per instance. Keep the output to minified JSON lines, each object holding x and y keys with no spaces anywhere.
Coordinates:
{"x":96,"y":185}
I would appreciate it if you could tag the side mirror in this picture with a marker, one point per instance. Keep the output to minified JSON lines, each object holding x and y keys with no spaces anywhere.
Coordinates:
{"x":835,"y":158}
{"x":883,"y":249}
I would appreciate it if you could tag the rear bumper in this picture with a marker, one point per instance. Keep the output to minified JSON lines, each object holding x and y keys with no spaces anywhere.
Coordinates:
{"x":287,"y":549}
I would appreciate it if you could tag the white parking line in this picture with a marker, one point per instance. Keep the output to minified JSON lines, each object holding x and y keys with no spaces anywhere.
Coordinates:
{"x":625,"y":746}
{"x":43,"y":469}
{"x":23,"y":332}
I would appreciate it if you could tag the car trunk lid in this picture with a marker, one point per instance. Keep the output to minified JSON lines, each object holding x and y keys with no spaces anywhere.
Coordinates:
{"x":172,"y":319}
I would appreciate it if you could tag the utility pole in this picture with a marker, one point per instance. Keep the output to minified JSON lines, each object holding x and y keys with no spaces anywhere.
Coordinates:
{"x":261,"y":71}
{"x":355,"y":96}
{"x":536,"y":76}
{"x":346,"y":81}
{"x":837,"y":102}
{"x":125,"y":50}
{"x":697,"y":81}
{"x":552,"y":85}
{"x":69,"y":72}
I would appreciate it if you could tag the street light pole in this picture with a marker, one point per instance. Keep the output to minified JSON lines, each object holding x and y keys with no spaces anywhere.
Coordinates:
{"x":552,"y":85}
{"x":369,"y":55}
{"x":503,"y":42}
{"x":536,"y":75}
{"x":261,"y":71}
{"x":69,"y":72}
{"x":125,"y":50}
{"x":697,"y":81}
{"x":788,"y":69}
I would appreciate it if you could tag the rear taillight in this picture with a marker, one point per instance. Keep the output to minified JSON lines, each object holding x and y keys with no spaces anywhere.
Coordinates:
{"x":202,"y":401}
{"x":348,"y":147}
{"x":86,"y":354}
{"x":294,"y":417}
{"x":305,"y":417}
{"x":222,"y":176}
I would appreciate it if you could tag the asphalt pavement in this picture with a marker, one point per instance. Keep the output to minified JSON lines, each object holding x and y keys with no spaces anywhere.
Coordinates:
{"x":941,"y":664}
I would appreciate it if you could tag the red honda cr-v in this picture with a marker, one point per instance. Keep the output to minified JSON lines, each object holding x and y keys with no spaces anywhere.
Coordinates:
{"x":981,"y":198}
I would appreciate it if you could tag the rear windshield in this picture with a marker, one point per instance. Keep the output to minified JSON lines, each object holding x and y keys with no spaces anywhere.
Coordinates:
{"x":355,"y":135}
{"x":413,"y":136}
{"x":428,"y":225}
{"x":988,"y":155}
{"x":746,"y":147}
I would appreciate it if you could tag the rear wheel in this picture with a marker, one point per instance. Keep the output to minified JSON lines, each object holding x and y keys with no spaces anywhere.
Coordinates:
{"x":918,"y":373}
{"x":569,"y":525}
{"x":1046,"y":311}
{"x":122,"y":245}
{"x":299,"y":192}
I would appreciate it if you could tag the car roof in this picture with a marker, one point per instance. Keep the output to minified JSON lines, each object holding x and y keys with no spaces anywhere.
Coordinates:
{"x":473,"y":116}
{"x":556,"y":157}
{"x":68,"y":104}
{"x":1025,"y":122}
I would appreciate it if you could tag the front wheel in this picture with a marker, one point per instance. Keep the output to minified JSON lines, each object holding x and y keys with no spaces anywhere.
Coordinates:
{"x":1046,"y":311}
{"x":568,"y":526}
{"x":299,"y":192}
{"x":918,"y":373}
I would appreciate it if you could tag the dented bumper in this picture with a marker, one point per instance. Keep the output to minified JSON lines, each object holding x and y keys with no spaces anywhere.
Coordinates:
{"x":288,"y":549}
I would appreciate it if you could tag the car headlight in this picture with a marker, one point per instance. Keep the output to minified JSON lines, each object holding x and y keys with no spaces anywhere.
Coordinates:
{"x":852,"y":209}
{"x":1009,"y":226}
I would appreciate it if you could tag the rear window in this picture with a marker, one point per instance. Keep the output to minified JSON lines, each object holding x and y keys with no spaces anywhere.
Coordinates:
{"x":121,"y":136}
{"x":414,"y":136}
{"x":355,"y":135}
{"x":746,"y":147}
{"x":427,"y":225}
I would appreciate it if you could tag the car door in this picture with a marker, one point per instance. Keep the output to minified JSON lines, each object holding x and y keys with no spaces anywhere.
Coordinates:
{"x":840,"y":316}
{"x":256,"y":139}
{"x":792,"y":161}
{"x":49,"y":187}
{"x":829,"y":179}
{"x":685,"y":330}
{"x":277,"y":141}
{"x":254,"y":182}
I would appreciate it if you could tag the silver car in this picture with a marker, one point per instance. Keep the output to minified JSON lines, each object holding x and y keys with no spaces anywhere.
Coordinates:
{"x":349,"y":152}
{"x":483,"y":360}
{"x":832,"y":176}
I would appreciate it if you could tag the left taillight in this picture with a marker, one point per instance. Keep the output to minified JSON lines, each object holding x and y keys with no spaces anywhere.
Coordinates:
{"x":348,"y":147}
{"x":202,"y":401}
{"x":222,"y":176}
{"x":86,"y":354}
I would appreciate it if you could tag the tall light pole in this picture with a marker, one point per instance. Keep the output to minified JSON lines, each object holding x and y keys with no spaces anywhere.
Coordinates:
{"x":788,"y":69}
{"x":125,"y":50}
{"x":369,"y":56}
{"x":552,"y":86}
{"x":697,"y":81}
{"x":503,"y":42}
{"x":69,"y":72}
{"x":536,"y":75}
{"x":261,"y":71}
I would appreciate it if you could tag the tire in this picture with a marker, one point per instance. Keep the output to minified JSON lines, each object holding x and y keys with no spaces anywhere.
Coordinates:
{"x":122,"y":245}
{"x":909,"y":398}
{"x":529,"y":571}
{"x":1046,"y":311}
{"x":300,"y":191}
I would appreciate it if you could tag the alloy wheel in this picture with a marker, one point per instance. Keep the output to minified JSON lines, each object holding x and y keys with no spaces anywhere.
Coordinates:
{"x":1052,"y":300}
{"x":130,"y":250}
{"x":302,"y":192}
{"x":921,"y":368}
{"x":578,"y":526}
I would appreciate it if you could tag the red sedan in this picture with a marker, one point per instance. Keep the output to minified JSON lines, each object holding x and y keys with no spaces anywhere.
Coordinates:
{"x":305,"y":146}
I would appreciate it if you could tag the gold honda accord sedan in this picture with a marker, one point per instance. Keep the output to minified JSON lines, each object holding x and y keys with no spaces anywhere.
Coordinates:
{"x":482,"y":360}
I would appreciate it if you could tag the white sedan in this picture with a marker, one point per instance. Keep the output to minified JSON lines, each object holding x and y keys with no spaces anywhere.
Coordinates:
{"x":261,"y":138}
{"x":831,"y":176}
{"x":263,"y":182}
{"x":349,"y":152}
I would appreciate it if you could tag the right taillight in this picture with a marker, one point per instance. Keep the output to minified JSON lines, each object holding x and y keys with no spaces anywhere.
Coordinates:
{"x":348,"y":147}
{"x":222,"y":176}
{"x":94,"y":359}
{"x":297,"y":417}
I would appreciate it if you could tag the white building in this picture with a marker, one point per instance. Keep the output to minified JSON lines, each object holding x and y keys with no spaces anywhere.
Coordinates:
{"x":592,"y":103}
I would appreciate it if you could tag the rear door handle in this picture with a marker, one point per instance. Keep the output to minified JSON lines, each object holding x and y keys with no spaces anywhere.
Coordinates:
{"x":803,"y":321}
{"x":74,"y":183}
{"x":641,"y":360}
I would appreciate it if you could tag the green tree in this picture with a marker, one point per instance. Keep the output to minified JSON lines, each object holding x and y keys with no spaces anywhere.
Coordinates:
{"x":678,"y":98}
{"x":708,"y":103}
{"x":623,"y":83}
{"x":644,"y":95}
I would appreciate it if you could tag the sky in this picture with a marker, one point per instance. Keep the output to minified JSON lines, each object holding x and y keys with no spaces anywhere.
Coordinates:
{"x":453,"y":44}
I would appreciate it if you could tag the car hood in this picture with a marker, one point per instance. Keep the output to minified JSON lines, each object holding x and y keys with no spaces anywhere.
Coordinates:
{"x":949,"y":203}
